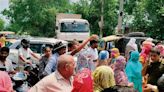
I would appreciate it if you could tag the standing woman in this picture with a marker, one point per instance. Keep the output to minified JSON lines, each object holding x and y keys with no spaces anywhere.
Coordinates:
{"x":133,"y":70}
{"x":131,"y":46}
{"x":103,"y":78}
{"x":119,"y":73}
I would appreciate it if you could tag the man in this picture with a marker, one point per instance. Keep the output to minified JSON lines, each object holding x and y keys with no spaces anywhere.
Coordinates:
{"x":6,"y":63}
{"x":60,"y":80}
{"x":88,"y":58}
{"x":25,"y":53}
{"x":75,"y":47}
{"x":51,"y":66}
{"x":155,"y":69}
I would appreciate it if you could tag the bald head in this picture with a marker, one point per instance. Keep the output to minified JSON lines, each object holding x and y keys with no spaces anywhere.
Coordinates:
{"x":64,"y":59}
{"x":66,"y":66}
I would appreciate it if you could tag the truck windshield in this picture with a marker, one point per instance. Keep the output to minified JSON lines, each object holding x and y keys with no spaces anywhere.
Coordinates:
{"x":74,"y":27}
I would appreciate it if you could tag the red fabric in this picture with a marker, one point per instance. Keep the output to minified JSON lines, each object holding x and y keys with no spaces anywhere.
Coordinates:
{"x":0,"y":44}
{"x":145,"y":53}
{"x":5,"y":82}
{"x":83,"y":81}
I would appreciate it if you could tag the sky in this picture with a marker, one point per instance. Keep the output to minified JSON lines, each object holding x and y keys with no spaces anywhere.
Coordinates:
{"x":3,"y":4}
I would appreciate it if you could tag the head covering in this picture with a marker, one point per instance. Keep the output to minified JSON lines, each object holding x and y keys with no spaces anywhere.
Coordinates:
{"x":132,"y":43}
{"x":133,"y":70}
{"x":148,"y":41}
{"x":115,"y":52}
{"x":145,"y":53}
{"x":103,"y":55}
{"x":58,"y":46}
{"x":5,"y":82}
{"x":103,"y":78}
{"x":120,"y":63}
{"x":161,"y":48}
{"x":83,"y":81}
{"x":119,"y":74}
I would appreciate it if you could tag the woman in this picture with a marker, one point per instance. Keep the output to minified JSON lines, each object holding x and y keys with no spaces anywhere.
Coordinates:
{"x":5,"y":82}
{"x":131,"y":46}
{"x":114,"y":54}
{"x":103,"y":77}
{"x":133,"y":70}
{"x":83,"y":81}
{"x":119,"y":74}
{"x":44,"y":60}
{"x":103,"y":58}
{"x":147,"y":45}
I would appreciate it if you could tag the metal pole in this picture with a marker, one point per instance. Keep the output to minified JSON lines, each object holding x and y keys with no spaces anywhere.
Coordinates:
{"x":118,"y":31}
{"x":102,"y":18}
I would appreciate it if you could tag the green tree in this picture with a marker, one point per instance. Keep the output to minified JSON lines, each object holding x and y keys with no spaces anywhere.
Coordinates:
{"x":148,"y":16}
{"x":91,"y":10}
{"x":36,"y":17}
{"x":1,"y":24}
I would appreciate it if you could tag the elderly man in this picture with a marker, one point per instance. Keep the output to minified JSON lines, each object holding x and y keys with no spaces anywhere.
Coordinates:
{"x":60,"y":80}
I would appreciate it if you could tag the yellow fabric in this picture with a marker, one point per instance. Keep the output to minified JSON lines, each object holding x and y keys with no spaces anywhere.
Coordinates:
{"x":115,"y":52}
{"x":3,"y":40}
{"x":103,"y":78}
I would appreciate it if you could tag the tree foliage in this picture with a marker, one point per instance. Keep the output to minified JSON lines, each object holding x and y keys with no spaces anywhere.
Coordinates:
{"x":1,"y":24}
{"x":91,"y":10}
{"x":36,"y":17}
{"x":148,"y":17}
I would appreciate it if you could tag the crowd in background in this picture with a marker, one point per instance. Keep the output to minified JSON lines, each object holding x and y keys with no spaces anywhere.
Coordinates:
{"x":85,"y":69}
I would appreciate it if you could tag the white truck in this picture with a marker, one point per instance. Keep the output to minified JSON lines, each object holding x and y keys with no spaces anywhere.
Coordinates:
{"x":71,"y":26}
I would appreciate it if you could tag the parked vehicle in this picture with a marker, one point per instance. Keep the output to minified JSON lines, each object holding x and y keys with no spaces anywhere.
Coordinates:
{"x":108,"y":42}
{"x":10,"y":37}
{"x":72,"y":26}
{"x":120,"y":42}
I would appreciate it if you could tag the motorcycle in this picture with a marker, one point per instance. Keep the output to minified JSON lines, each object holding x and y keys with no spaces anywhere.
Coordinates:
{"x":25,"y":78}
{"x":19,"y":82}
{"x":32,"y":77}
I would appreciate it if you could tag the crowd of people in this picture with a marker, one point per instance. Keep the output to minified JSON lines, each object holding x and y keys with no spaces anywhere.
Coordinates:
{"x":84,"y":69}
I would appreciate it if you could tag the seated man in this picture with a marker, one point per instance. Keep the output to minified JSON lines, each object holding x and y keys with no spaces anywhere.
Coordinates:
{"x":60,"y":80}
{"x":25,"y":53}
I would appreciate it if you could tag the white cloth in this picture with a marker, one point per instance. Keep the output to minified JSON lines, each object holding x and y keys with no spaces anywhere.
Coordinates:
{"x":53,"y":83}
{"x":8,"y":65}
{"x":92,"y":54}
{"x":25,"y":53}
{"x":133,"y":44}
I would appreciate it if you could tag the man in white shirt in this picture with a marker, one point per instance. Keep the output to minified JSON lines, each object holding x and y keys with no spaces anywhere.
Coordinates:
{"x":92,"y":54}
{"x":25,"y":53}
{"x":88,"y":58}
{"x":5,"y":63}
{"x":60,"y":80}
